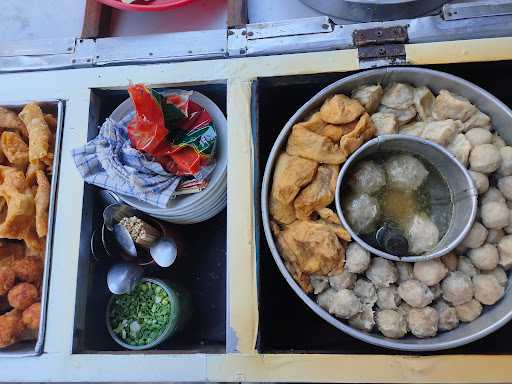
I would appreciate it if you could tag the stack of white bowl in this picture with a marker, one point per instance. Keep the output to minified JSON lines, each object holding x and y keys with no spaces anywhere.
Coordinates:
{"x":200,"y":206}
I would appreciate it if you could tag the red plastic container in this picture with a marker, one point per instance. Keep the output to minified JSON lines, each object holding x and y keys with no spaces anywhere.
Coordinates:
{"x":142,"y":6}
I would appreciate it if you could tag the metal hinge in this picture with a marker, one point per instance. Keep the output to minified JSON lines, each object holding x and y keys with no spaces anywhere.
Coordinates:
{"x":381,"y":46}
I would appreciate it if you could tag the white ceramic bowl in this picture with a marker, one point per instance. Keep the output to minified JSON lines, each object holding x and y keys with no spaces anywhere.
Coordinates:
{"x":185,"y":206}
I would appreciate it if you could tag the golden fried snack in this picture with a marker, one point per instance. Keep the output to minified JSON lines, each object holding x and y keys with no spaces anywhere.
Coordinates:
{"x":328,"y":217}
{"x":341,"y":109}
{"x":7,"y":280}
{"x":282,"y":213}
{"x":11,"y":328}
{"x":10,"y":251}
{"x":19,"y":222}
{"x":31,"y":316}
{"x":29,"y":269}
{"x":319,"y":194}
{"x":22,"y":296}
{"x":14,"y":149}
{"x":38,"y":133}
{"x":313,"y":123}
{"x":310,"y":145}
{"x":51,"y":121}
{"x":10,"y":120}
{"x":42,"y":200}
{"x":32,"y":168}
{"x":363,"y":131}
{"x":310,"y":247}
{"x":290,"y":175}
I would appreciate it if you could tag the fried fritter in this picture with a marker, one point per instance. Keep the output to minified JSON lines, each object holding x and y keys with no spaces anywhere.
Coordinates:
{"x":363,"y":131}
{"x":328,"y":217}
{"x":11,"y":328}
{"x":7,"y":280}
{"x":38,"y":133}
{"x":42,"y":200}
{"x":313,"y":146}
{"x":14,"y":149}
{"x":310,"y":248}
{"x":22,"y":295}
{"x":31,"y":316}
{"x":10,"y":120}
{"x":282,"y":213}
{"x":319,"y":194}
{"x":29,"y":269}
{"x":314,"y":123}
{"x":341,"y":109}
{"x":290,"y":175}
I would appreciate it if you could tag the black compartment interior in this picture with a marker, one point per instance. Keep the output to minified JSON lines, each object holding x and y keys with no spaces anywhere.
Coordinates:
{"x":201,"y":270}
{"x":286,"y":324}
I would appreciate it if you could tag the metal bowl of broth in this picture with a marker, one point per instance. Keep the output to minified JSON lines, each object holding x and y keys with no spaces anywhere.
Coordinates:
{"x":446,"y":197}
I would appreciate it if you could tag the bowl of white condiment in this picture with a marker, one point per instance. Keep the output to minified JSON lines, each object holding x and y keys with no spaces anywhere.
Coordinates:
{"x":452,"y":208}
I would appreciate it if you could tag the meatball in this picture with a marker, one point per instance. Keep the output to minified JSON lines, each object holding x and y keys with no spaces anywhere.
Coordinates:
{"x":505,"y":251}
{"x":319,"y":283}
{"x":405,"y":172}
{"x":31,"y":316}
{"x":495,"y":215}
{"x":369,"y":96}
{"x":499,"y":274}
{"x":485,"y":258}
{"x":357,"y":259}
{"x":29,"y":269}
{"x":365,"y":291}
{"x":448,"y":319}
{"x":476,"y":236}
{"x":437,"y":291}
{"x":481,"y":181}
{"x":367,"y":177}
{"x":430,"y":272}
{"x":494,"y":236}
{"x":362,"y":212}
{"x":22,"y":296}
{"x":415,"y":293}
{"x":469,"y":311}
{"x":505,"y":186}
{"x":423,"y":322}
{"x":404,"y":271}
{"x":404,"y":308}
{"x":487,"y":289}
{"x":7,"y":280}
{"x":493,"y":194}
{"x":466,"y":266}
{"x":485,"y":158}
{"x":381,"y":272}
{"x":422,"y":233}
{"x":388,"y":298}
{"x":457,"y":288}
{"x":364,"y":320}
{"x":343,"y":280}
{"x":498,"y":142}
{"x":342,"y":303}
{"x":450,"y":261}
{"x":391,"y":323}
{"x":11,"y":328}
{"x":478,"y":136}
{"x":506,"y":161}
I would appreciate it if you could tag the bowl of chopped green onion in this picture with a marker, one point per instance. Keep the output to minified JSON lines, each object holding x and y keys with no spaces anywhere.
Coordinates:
{"x":146,"y":316}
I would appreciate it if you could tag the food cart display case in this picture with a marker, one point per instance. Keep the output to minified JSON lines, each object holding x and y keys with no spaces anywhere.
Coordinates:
{"x":259,"y":61}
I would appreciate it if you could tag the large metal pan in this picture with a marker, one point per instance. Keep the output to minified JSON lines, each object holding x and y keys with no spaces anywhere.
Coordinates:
{"x":492,"y":317}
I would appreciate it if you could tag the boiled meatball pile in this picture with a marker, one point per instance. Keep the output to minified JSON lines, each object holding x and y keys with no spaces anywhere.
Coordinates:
{"x":425,"y":298}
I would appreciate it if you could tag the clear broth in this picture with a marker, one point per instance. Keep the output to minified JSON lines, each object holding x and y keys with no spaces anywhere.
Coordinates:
{"x":433,"y":198}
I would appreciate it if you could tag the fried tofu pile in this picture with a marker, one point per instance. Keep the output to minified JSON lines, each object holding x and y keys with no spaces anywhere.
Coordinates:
{"x":309,"y":235}
{"x":26,"y":158}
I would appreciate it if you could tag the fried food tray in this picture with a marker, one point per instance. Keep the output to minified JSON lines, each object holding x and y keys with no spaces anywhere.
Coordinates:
{"x":35,"y":347}
{"x":286,"y":324}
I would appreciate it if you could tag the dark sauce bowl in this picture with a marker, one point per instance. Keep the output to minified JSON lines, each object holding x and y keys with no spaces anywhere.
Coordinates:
{"x":459,"y":182}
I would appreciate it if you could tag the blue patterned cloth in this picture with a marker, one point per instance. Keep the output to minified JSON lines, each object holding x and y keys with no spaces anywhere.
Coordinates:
{"x":109,"y":161}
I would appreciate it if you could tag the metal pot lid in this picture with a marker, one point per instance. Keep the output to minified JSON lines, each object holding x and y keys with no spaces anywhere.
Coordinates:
{"x":375,"y":10}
